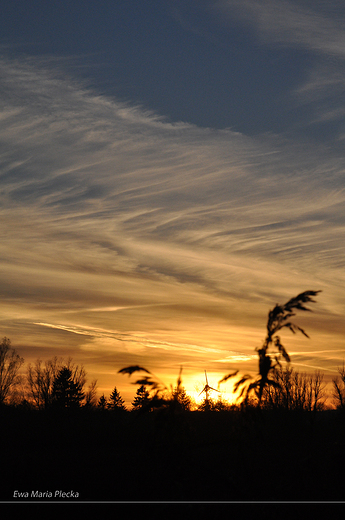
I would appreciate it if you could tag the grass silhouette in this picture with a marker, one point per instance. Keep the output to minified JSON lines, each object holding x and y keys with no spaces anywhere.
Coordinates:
{"x":278,"y":319}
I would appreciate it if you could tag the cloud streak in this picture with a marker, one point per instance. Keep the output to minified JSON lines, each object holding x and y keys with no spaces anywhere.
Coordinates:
{"x":316,"y":30}
{"x":317,"y":27}
{"x":167,"y":236}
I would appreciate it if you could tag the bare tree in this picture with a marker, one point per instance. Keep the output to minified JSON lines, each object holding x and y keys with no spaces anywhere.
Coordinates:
{"x":10,"y":363}
{"x":78,"y":373}
{"x":40,"y":381}
{"x":91,"y":394}
{"x":318,"y":389}
{"x":339,"y":388}
{"x":294,"y":390}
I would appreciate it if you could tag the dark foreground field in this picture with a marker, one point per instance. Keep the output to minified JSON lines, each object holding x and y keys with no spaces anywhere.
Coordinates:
{"x":195,"y":456}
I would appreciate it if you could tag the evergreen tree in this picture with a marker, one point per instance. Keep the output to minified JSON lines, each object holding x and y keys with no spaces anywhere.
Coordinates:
{"x":115,"y":401}
{"x":142,"y":397}
{"x":102,"y":402}
{"x":207,"y":405}
{"x":180,"y":396}
{"x":66,"y":393}
{"x":220,"y":405}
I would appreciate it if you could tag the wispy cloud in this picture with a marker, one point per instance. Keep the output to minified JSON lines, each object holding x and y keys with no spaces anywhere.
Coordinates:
{"x":167,"y":236}
{"x":315,"y":26}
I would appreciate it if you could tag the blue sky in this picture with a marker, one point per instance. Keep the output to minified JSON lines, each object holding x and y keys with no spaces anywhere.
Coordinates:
{"x":169,"y":172}
{"x":205,"y":63}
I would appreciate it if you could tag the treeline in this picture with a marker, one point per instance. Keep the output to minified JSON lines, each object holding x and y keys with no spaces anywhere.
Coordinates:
{"x":58,"y":384}
{"x":158,"y":448}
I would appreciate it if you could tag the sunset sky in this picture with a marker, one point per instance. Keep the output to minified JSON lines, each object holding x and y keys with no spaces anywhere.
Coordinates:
{"x":170,"y":171}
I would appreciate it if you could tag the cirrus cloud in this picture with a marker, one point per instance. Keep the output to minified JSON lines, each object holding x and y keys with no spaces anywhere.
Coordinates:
{"x":114,"y":219}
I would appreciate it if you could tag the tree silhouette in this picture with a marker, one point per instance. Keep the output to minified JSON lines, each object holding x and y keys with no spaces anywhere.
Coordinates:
{"x":91,"y":394}
{"x":78,"y":373}
{"x":339,"y":388}
{"x":142,"y":398}
{"x":102,"y":402}
{"x":10,"y":363}
{"x":40,"y":381}
{"x":66,"y":393}
{"x":116,"y":403}
{"x":181,"y":398}
{"x":278,"y":318}
{"x":295,"y":391}
{"x":155,"y":398}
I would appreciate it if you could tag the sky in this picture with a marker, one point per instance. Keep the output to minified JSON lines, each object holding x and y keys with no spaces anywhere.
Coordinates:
{"x":169,"y":171}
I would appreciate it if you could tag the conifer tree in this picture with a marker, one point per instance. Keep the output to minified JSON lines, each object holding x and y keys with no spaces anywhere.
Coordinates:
{"x":102,"y":402}
{"x":142,"y":397}
{"x":115,"y":401}
{"x":180,"y":395}
{"x":66,"y":393}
